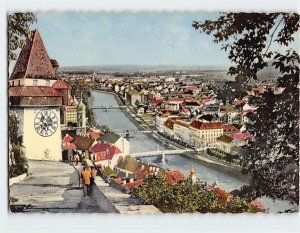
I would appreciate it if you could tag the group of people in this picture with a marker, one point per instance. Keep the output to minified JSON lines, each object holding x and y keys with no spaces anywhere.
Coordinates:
{"x":88,"y":175}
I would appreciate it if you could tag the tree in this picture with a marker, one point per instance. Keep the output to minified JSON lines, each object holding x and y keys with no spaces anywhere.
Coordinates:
{"x":19,"y":164}
{"x":13,"y":128}
{"x":186,"y":197}
{"x":273,"y":162}
{"x":18,"y":28}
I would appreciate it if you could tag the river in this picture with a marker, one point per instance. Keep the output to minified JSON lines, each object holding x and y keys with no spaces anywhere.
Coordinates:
{"x":227,"y":178}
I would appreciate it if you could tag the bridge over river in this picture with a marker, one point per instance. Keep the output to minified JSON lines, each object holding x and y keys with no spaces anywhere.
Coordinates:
{"x":160,"y":152}
{"x":109,"y":107}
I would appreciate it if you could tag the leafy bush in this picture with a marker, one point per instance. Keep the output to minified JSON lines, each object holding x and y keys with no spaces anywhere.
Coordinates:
{"x":186,"y":197}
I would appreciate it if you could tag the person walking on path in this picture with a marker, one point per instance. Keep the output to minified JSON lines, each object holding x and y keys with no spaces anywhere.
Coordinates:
{"x":94,"y":174}
{"x":86,"y":176}
{"x":76,"y":159}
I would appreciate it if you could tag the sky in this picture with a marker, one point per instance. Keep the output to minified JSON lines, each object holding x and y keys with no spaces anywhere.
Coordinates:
{"x":107,"y":38}
{"x":128,"y":38}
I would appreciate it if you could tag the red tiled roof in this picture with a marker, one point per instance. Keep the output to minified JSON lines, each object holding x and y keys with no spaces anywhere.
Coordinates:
{"x":33,"y":61}
{"x":173,"y":177}
{"x":34,"y":91}
{"x":94,"y":134}
{"x":68,"y":146}
{"x":141,"y":173}
{"x":133,"y":184}
{"x":68,"y":138}
{"x":169,"y":123}
{"x":206,"y":125}
{"x":230,"y":128}
{"x":241,"y":136}
{"x":61,"y":85}
{"x":107,"y":148}
{"x":223,"y":197}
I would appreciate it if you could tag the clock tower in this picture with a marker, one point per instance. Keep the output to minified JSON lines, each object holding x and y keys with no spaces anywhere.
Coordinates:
{"x":36,"y":102}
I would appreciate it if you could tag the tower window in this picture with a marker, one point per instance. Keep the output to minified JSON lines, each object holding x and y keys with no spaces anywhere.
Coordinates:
{"x":35,"y":82}
{"x":48,"y":83}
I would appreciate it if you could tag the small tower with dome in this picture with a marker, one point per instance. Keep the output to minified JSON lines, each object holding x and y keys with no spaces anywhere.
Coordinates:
{"x":81,"y":118}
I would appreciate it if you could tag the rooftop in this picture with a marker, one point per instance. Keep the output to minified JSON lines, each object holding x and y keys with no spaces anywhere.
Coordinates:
{"x":33,"y":61}
{"x":34,"y":91}
{"x":206,"y":125}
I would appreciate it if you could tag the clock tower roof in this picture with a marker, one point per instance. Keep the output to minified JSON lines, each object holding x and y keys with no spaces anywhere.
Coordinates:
{"x":33,"y":60}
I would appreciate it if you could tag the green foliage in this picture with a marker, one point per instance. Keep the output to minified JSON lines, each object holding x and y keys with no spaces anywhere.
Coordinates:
{"x":273,"y":162}
{"x":20,"y":165}
{"x":18,"y":28}
{"x":185,"y":197}
{"x":274,"y":159}
{"x":238,"y":205}
{"x":13,"y":127}
{"x":247,"y":37}
{"x":17,"y":156}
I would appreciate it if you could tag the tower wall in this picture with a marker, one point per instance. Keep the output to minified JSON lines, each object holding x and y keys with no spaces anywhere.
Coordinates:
{"x":40,"y":147}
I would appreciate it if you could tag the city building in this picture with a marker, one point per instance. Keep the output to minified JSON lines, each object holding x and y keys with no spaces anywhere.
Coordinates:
{"x":116,"y":140}
{"x":181,"y":131}
{"x":204,"y":134}
{"x":225,"y":144}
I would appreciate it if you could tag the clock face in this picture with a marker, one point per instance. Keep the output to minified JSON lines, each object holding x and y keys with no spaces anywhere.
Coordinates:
{"x":45,"y":122}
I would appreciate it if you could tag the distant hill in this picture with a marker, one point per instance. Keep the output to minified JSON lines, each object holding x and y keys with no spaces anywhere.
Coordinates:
{"x":140,"y":69}
{"x":268,"y":72}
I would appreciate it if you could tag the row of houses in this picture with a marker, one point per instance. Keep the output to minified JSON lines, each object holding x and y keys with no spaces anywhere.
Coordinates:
{"x":104,"y":149}
{"x":202,"y":135}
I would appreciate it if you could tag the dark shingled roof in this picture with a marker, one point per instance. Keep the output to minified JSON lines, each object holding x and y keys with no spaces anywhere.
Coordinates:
{"x":207,"y":117}
{"x":33,"y":91}
{"x":83,"y":143}
{"x":109,"y":137}
{"x":225,"y":138}
{"x":128,"y":163}
{"x":33,"y":61}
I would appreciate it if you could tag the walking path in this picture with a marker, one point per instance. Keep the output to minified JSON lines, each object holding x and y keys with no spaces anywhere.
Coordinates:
{"x":53,"y":187}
